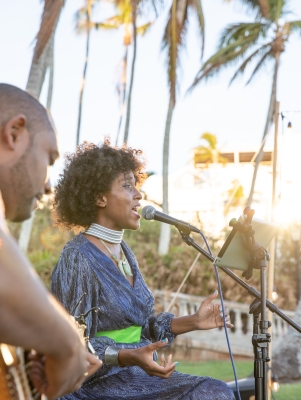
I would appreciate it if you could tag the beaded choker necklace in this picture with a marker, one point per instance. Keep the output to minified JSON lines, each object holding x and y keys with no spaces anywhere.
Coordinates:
{"x":108,"y":235}
{"x":104,"y":233}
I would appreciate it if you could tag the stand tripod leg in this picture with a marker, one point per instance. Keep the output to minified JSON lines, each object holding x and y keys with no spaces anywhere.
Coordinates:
{"x":260,"y":341}
{"x":264,"y":325}
{"x":259,"y":380}
{"x":255,"y":309}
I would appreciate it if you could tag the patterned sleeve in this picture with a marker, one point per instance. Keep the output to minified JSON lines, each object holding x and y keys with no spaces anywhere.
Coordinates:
{"x":160,"y":327}
{"x":71,"y":278}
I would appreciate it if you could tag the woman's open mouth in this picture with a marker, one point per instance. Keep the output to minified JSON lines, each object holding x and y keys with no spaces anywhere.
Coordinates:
{"x":135,"y":210}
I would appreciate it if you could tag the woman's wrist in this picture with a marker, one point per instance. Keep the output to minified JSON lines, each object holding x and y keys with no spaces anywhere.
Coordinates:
{"x":126,"y":357}
{"x":185,"y":324}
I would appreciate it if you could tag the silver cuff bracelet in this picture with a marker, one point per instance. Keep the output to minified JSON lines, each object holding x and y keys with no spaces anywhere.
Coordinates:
{"x":111,"y":356}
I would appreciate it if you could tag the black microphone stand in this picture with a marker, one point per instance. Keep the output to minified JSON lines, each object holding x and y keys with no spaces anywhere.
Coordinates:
{"x":259,"y":258}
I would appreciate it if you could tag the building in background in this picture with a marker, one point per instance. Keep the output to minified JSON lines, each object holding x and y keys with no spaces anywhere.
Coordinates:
{"x":212,"y":193}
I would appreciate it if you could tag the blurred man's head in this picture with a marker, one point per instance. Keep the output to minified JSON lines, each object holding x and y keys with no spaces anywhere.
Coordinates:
{"x":28,"y":147}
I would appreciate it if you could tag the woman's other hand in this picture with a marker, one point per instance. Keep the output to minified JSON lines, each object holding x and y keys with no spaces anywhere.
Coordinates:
{"x":210,"y":315}
{"x":143,"y":358}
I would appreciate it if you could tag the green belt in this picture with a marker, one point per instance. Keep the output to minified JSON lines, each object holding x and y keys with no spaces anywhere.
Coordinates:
{"x":132,"y":334}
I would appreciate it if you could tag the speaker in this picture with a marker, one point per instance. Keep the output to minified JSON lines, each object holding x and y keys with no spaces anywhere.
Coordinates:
{"x":246,"y":388}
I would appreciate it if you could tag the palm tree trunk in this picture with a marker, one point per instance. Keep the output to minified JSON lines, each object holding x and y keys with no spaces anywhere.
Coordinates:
{"x":38,"y":71}
{"x":129,"y":99}
{"x":34,"y":87}
{"x":84,"y":74}
{"x":124,"y":85}
{"x":50,"y":63}
{"x":268,"y":124}
{"x":164,"y":239}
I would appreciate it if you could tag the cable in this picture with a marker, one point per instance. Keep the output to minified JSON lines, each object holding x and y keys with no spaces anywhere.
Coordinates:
{"x":223,"y":308}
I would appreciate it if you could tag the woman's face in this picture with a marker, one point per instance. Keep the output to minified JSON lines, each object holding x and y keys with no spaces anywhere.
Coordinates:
{"x":120,"y":205}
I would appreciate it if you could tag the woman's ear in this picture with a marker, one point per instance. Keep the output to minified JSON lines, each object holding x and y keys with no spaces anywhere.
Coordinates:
{"x":101,"y":201}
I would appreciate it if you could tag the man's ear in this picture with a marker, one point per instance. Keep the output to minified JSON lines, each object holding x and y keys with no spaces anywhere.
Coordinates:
{"x":14,"y":132}
{"x":101,"y":201}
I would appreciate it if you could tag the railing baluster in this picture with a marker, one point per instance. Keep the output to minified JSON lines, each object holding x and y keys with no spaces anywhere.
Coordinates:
{"x":215,"y":339}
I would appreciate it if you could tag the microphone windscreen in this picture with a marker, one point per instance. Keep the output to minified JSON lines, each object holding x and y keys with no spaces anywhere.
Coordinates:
{"x":148,"y":212}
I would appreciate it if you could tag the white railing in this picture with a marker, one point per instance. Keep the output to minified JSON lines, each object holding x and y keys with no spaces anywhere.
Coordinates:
{"x":214,"y":340}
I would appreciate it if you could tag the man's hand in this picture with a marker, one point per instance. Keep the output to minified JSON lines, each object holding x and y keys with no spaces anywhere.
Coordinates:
{"x":54,"y":378}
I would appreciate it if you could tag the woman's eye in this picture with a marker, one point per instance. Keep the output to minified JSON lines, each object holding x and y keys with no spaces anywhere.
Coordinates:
{"x":127,"y":185}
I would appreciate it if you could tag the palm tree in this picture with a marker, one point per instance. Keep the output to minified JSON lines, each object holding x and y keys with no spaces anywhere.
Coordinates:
{"x":85,"y":11}
{"x":134,"y":6}
{"x":209,"y":153}
{"x":43,"y":52}
{"x":122,"y":18}
{"x":173,"y":42}
{"x":262,"y":40}
{"x":41,"y":61}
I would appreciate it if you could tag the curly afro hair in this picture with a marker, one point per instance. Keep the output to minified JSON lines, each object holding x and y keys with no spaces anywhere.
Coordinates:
{"x":88,"y":173}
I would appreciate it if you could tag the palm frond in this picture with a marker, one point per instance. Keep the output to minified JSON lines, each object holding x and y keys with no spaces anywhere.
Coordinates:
{"x":52,"y":9}
{"x":81,"y":16}
{"x":141,"y":30}
{"x":105,"y":25}
{"x":277,"y":9}
{"x":222,"y":59}
{"x":235,"y":42}
{"x":210,"y":138}
{"x":197,"y":6}
{"x":241,"y":69}
{"x":111,"y":23}
{"x":173,"y":40}
{"x":292,"y":27}
{"x":260,"y":64}
{"x":154,"y":5}
{"x":248,"y":31}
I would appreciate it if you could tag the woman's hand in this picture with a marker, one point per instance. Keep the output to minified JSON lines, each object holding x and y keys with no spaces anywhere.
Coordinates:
{"x":143,"y":358}
{"x":210,"y":315}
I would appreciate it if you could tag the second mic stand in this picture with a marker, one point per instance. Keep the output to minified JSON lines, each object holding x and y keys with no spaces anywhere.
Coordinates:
{"x":261,"y":337}
{"x":259,"y":258}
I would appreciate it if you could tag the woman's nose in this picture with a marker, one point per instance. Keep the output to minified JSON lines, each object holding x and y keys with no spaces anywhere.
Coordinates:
{"x":138,"y":195}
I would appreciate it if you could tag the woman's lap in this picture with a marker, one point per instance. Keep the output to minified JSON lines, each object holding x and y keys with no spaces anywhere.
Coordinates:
{"x":132,"y":383}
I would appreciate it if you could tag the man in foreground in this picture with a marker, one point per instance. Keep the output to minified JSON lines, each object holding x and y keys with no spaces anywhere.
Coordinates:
{"x":30,"y":316}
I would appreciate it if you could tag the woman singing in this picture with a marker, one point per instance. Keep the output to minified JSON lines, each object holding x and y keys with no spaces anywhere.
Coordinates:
{"x":98,"y":195}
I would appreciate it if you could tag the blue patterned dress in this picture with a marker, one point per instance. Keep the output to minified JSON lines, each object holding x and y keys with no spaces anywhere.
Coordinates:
{"x":83,"y":268}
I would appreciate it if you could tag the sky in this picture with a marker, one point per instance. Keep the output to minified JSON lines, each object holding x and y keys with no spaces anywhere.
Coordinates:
{"x":235,"y":114}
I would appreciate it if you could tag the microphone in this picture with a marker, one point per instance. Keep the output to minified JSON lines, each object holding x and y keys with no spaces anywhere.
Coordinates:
{"x":150,"y":213}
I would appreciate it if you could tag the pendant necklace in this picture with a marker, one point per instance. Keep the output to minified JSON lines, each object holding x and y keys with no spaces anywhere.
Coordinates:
{"x":122,"y":262}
